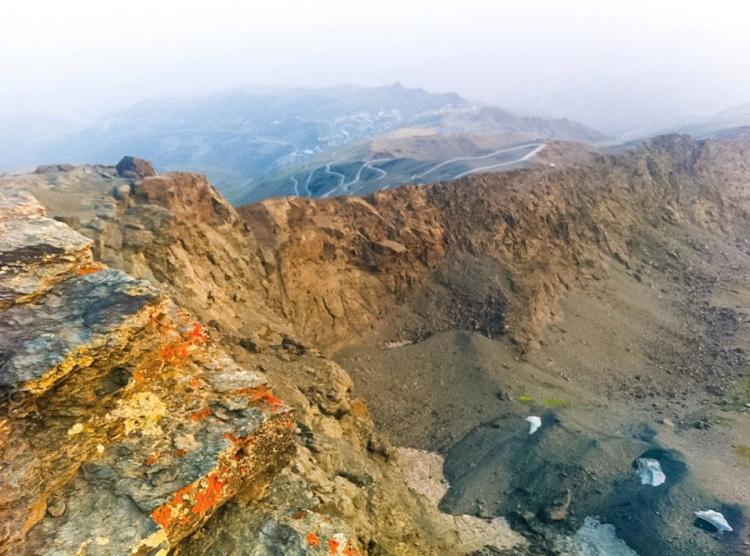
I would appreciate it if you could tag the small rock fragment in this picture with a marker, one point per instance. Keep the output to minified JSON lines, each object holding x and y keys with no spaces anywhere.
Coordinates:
{"x":56,"y":505}
{"x":558,"y":510}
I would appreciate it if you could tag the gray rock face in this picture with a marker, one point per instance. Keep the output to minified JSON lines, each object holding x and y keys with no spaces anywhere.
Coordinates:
{"x":35,"y":251}
{"x":78,"y":315}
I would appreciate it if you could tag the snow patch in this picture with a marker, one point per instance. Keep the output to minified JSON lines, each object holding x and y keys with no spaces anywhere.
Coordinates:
{"x":649,"y":470}
{"x":534,"y":423}
{"x":716,"y":519}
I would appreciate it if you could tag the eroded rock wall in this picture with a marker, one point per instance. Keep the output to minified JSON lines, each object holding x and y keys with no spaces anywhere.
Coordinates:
{"x":344,"y":263}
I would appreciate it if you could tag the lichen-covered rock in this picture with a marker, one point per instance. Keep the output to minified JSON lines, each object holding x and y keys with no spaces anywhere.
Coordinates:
{"x":123,"y":429}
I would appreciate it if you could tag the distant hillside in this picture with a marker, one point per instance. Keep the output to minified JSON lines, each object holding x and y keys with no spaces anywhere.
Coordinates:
{"x":702,"y":126}
{"x":407,"y":156}
{"x":443,"y":146}
{"x":251,"y":141}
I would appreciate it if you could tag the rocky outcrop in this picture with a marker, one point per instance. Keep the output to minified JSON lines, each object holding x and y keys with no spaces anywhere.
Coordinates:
{"x":116,"y":406}
{"x":491,"y":252}
{"x":46,"y":168}
{"x":102,"y":357}
{"x":343,"y":263}
{"x":132,"y":167}
{"x":37,"y":251}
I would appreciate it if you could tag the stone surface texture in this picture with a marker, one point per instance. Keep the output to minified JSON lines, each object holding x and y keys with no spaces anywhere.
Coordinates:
{"x":124,"y":429}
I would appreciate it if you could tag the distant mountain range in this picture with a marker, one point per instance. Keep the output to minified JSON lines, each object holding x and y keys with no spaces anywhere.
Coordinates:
{"x":260,"y":143}
{"x":257,"y":143}
{"x":696,"y":125}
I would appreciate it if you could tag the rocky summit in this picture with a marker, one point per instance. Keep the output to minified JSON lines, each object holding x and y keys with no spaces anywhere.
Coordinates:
{"x":357,"y":375}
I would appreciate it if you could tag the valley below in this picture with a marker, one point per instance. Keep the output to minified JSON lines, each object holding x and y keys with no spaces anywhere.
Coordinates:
{"x":406,"y":337}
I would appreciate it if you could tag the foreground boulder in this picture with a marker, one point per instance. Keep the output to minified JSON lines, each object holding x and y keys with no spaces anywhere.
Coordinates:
{"x":132,"y":167}
{"x":123,"y":429}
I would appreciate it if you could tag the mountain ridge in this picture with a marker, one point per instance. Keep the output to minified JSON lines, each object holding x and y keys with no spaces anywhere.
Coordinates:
{"x":604,"y":296}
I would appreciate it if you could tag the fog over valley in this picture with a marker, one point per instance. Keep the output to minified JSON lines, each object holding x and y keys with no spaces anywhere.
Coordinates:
{"x":614,"y":66}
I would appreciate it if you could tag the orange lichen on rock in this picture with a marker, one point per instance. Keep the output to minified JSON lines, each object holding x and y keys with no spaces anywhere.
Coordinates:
{"x":162,"y":515}
{"x":182,"y":495}
{"x":153,"y":458}
{"x":206,"y":499}
{"x":263,"y":394}
{"x":201,"y":414}
{"x":196,"y":498}
{"x":312,"y":539}
{"x":89,"y":269}
{"x":175,"y":354}
{"x":167,"y":352}
{"x":196,"y":335}
{"x":239,"y":440}
{"x":333,"y":546}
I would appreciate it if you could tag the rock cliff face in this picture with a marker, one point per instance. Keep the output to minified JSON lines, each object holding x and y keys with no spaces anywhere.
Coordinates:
{"x":162,"y":352}
{"x":493,"y":252}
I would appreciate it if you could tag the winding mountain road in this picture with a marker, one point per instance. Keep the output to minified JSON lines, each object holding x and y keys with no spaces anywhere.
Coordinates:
{"x":369,"y":166}
{"x":340,"y":185}
{"x":346,"y":185}
{"x":307,"y":183}
{"x":342,"y":177}
{"x":501,"y":164}
{"x":539,"y":147}
{"x":343,"y":185}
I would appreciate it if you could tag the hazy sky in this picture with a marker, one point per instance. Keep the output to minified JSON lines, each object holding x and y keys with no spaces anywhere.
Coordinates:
{"x":83,"y":57}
